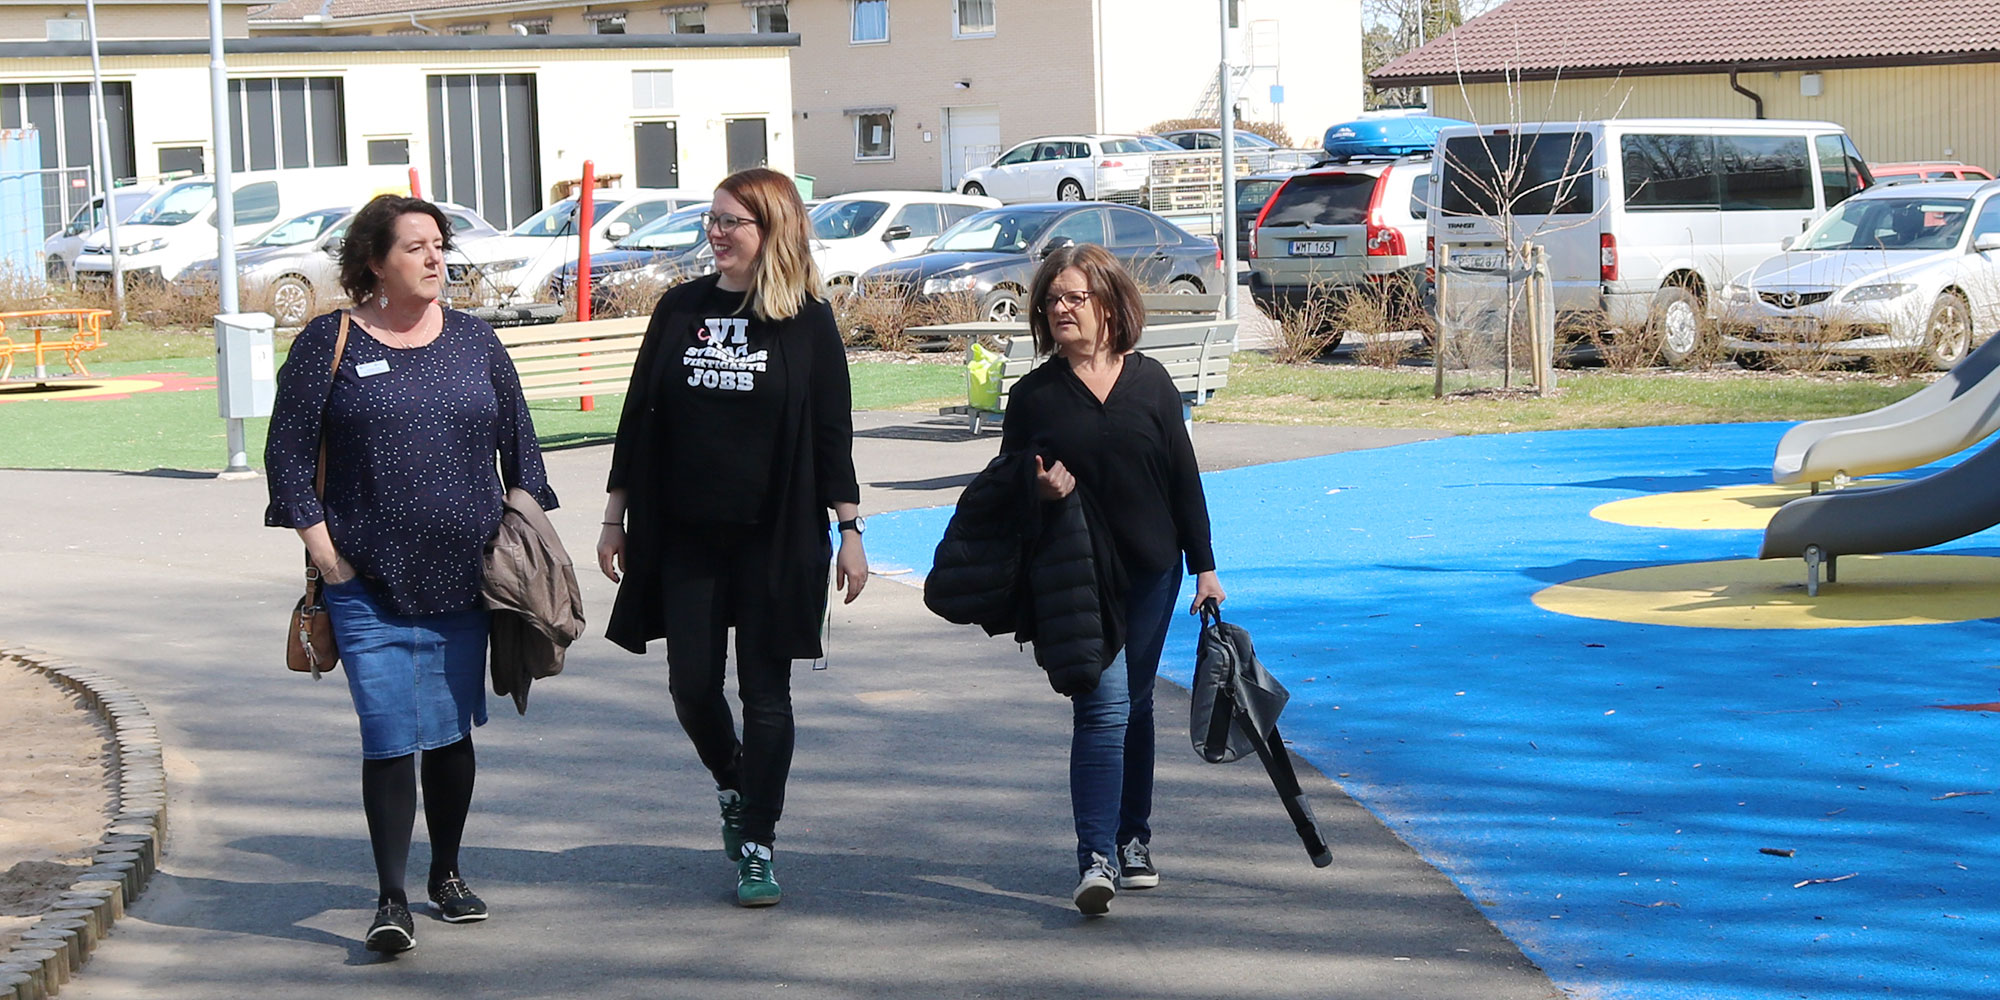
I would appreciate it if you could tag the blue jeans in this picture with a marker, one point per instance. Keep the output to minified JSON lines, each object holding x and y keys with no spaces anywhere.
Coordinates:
{"x":1111,"y":747}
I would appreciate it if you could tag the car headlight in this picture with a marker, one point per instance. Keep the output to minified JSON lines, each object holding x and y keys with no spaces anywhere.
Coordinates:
{"x":1880,"y":292}
{"x":146,"y":246}
{"x":940,"y":286}
{"x":1734,"y":290}
{"x":505,"y":266}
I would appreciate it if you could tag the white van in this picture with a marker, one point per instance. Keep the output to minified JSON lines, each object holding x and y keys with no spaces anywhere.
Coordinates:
{"x":1641,"y":217}
{"x":177,"y":226}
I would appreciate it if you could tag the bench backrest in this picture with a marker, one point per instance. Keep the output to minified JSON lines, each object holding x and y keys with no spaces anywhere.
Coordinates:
{"x":560,"y":360}
{"x":1176,"y":308}
{"x":1196,"y":355}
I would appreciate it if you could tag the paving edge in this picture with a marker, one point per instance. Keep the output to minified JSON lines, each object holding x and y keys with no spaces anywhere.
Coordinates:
{"x":55,"y":948}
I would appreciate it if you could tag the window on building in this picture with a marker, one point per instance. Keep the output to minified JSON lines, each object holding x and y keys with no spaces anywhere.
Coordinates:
{"x":687,"y":19}
{"x":606,"y":23}
{"x":770,"y":18}
{"x":66,"y":29}
{"x":652,"y":89}
{"x":531,"y":26}
{"x":466,"y":28}
{"x":389,"y":152}
{"x":871,"y":21}
{"x":183,"y":161}
{"x":972,"y":17}
{"x":287,"y":122}
{"x":874,"y":135}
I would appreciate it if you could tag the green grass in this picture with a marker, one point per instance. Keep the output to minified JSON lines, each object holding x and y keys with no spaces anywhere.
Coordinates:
{"x":180,"y":430}
{"x":1262,"y":391}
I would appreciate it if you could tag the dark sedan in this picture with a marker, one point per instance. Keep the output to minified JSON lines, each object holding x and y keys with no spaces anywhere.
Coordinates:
{"x":665,"y":252}
{"x":992,"y":255}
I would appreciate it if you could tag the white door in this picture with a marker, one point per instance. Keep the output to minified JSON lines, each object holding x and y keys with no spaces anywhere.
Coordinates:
{"x":972,"y":139}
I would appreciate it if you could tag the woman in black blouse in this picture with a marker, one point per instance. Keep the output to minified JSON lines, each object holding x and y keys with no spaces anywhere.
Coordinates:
{"x":1110,"y":418}
{"x":423,"y":401}
{"x":736,"y":438}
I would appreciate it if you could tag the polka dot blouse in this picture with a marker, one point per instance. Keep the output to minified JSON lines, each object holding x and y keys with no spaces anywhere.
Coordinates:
{"x":413,"y":491}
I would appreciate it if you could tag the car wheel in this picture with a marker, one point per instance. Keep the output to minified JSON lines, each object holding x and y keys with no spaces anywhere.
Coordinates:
{"x":57,"y":270}
{"x":1002,"y":305}
{"x":1676,"y":324}
{"x":1948,"y":335}
{"x":291,"y":301}
{"x":973,"y":188}
{"x":1069,"y":191}
{"x":1758,"y":361}
{"x":1183,"y":286}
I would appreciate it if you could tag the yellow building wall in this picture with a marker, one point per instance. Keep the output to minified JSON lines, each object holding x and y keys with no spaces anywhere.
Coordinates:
{"x":1897,"y":113}
{"x":29,"y":23}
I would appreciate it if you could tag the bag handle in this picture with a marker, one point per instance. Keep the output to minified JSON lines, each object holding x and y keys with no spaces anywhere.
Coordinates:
{"x":319,"y":465}
{"x":1211,"y":612}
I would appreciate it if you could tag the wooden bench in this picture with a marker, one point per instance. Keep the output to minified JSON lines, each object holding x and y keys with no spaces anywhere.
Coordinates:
{"x":1195,"y":352}
{"x":82,"y":331}
{"x":562,"y":360}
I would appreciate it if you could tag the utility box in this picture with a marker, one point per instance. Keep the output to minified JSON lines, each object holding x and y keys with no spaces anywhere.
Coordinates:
{"x":246,"y":371}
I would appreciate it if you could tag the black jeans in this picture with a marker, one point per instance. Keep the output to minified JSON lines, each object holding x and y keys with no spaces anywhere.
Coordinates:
{"x":715,"y":577}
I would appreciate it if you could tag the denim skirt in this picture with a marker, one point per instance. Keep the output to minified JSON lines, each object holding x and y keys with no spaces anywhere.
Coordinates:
{"x":418,"y":681}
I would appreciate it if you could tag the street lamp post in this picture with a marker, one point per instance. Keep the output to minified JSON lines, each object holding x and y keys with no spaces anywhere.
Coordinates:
{"x":1227,"y":113}
{"x":105,"y":168}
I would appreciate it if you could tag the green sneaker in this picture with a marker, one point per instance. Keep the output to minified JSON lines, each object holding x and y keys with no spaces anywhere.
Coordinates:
{"x":732,"y":822}
{"x":755,"y":885}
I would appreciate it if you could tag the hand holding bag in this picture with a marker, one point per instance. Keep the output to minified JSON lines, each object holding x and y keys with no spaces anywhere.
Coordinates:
{"x":309,"y":645}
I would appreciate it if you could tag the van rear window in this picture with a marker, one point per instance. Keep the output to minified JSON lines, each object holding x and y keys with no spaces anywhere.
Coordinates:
{"x":1534,"y":173}
{"x":1322,"y":200}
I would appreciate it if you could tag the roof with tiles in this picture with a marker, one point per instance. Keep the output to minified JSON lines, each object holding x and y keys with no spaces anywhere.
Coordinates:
{"x":334,"y":10}
{"x":1598,"y":37}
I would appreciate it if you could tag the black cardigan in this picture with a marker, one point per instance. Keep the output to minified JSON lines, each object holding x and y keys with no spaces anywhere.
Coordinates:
{"x":814,"y":470}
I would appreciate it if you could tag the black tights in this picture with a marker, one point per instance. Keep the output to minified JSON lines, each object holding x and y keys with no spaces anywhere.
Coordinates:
{"x":389,"y":797}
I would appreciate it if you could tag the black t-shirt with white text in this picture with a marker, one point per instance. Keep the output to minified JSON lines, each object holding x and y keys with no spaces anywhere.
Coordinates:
{"x":723,"y":395}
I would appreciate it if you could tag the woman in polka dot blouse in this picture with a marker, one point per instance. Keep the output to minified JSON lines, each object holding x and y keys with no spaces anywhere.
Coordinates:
{"x":424,"y":401}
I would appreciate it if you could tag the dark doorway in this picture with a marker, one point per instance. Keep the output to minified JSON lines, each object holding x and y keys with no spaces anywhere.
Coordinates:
{"x":747,"y":146}
{"x":657,"y":149}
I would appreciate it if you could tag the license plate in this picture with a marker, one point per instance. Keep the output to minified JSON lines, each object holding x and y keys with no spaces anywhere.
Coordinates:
{"x":1792,"y":328}
{"x":1489,"y":261}
{"x":1315,"y":248}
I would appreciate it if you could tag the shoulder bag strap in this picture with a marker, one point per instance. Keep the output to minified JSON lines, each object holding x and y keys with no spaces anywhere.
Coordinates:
{"x":333,"y":374}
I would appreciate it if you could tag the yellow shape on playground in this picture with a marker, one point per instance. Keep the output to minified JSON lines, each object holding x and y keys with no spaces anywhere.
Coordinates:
{"x":1720,"y":508}
{"x":1771,"y":593}
{"x":77,"y":389}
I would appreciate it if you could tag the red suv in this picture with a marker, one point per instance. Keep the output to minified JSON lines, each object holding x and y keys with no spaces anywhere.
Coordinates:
{"x":1926,"y":170}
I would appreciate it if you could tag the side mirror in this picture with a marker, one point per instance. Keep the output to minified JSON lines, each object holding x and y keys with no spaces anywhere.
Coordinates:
{"x":332,"y":247}
{"x":1053,"y":245}
{"x":1786,"y":243}
{"x":1985,"y":242}
{"x":617,"y":231}
{"x":894,"y":233}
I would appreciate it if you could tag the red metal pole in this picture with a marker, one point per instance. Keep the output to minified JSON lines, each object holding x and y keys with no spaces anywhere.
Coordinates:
{"x":585,"y":214}
{"x":416,"y":186}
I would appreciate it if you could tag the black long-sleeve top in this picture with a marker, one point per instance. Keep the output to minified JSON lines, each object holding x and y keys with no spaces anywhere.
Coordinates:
{"x":1131,"y":452}
{"x":806,"y":441}
{"x":413,"y":492}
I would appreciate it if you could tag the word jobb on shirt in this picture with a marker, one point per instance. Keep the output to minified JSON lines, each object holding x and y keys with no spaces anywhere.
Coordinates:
{"x":723,"y":359}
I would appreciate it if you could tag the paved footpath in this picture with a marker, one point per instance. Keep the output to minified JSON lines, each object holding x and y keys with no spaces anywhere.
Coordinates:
{"x":925,"y":851}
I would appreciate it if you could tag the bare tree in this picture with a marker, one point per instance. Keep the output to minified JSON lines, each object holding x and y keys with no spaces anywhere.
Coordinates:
{"x":1393,"y":27}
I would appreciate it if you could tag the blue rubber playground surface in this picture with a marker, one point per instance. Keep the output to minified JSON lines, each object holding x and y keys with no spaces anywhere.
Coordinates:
{"x":1606,"y":792}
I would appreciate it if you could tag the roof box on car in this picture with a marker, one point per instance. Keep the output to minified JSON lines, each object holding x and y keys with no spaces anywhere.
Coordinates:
{"x":1385,"y":137}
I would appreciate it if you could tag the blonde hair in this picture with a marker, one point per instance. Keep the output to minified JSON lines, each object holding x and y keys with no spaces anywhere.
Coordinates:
{"x":785,"y":275}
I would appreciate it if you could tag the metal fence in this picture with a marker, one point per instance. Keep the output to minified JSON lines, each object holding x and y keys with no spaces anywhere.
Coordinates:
{"x":1192,"y":181}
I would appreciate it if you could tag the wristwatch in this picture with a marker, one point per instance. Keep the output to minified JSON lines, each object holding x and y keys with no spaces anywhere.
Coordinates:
{"x":858,"y":526}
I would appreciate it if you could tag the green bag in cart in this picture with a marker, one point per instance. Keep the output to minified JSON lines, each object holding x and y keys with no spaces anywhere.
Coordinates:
{"x":982,"y":377}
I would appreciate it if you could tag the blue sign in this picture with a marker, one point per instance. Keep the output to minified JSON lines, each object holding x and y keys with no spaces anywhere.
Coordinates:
{"x":1277,"y":93}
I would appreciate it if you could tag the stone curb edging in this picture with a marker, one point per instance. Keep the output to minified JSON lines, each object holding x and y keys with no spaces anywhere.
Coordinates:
{"x":49,"y":953}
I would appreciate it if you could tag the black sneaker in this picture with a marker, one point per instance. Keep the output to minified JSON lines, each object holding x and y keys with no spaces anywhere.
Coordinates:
{"x":455,"y":901}
{"x":1135,"y":867}
{"x":1095,"y":889}
{"x":393,"y":931}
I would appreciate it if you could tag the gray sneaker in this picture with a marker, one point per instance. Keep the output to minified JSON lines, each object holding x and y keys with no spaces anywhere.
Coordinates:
{"x":1094,"y":891}
{"x":1135,"y":867}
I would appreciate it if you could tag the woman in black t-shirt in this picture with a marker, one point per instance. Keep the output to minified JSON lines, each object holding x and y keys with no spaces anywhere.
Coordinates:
{"x":1110,"y":420}
{"x":736,"y":437}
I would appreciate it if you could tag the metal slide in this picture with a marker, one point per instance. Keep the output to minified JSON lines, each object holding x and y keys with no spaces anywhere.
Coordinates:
{"x":1913,"y":515}
{"x":1948,"y":416}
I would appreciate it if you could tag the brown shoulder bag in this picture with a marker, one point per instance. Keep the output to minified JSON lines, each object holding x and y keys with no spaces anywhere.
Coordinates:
{"x":309,"y":645}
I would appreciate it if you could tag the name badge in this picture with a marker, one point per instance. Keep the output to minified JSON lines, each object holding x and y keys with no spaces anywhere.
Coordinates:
{"x":376,"y":367}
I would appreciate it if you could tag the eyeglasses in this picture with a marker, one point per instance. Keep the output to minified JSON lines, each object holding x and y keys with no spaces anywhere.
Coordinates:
{"x":724,"y":223}
{"x":1071,"y":300}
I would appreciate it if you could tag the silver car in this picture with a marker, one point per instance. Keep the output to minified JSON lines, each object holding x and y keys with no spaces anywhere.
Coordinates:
{"x":294,"y":271}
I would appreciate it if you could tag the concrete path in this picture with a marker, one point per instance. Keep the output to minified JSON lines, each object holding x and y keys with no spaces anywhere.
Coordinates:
{"x":925,"y":851}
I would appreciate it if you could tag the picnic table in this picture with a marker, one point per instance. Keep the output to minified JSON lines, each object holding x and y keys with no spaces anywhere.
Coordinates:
{"x":24,"y":332}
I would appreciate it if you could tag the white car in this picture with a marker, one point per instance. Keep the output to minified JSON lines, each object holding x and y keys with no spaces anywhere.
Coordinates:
{"x":60,"y":250}
{"x":1070,"y":168}
{"x":854,"y":232}
{"x":1891,"y":270}
{"x":514,"y":267}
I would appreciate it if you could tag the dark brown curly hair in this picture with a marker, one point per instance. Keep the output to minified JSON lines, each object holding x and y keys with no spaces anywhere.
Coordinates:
{"x":371,"y":235}
{"x":1110,"y":287}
